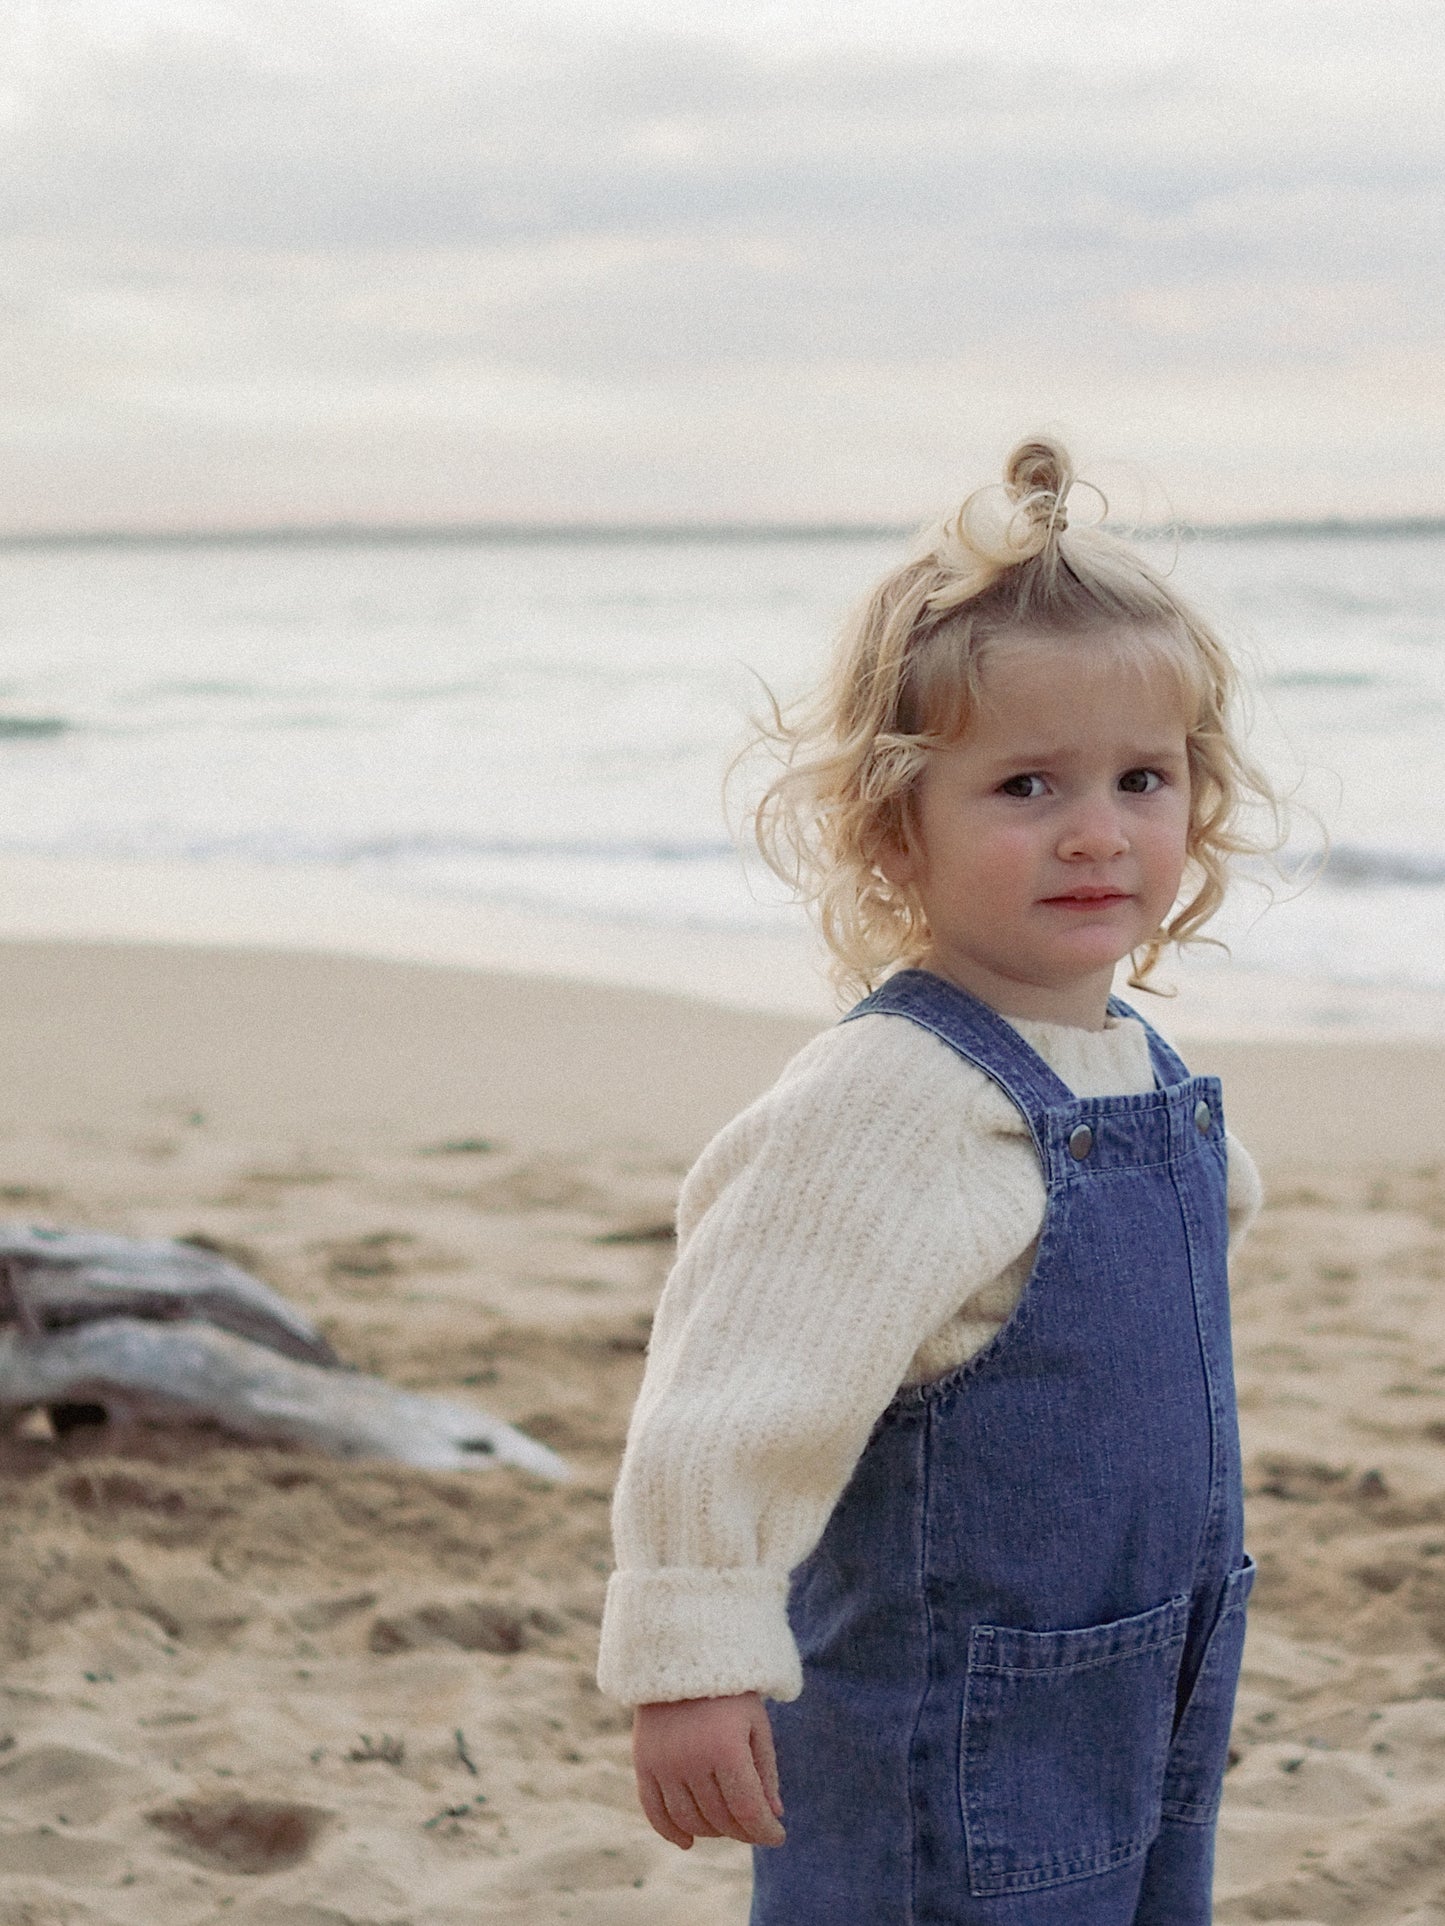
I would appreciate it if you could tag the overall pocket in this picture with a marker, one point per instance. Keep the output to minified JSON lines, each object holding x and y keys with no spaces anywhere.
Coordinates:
{"x":1064,"y":1743}
{"x":1194,"y":1775}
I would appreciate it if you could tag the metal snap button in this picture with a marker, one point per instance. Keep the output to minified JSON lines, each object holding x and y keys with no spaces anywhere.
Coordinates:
{"x":1081,"y":1141}
{"x":1203,"y":1118}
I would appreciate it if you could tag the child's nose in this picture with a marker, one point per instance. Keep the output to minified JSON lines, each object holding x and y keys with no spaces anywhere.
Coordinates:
{"x":1095,"y":833}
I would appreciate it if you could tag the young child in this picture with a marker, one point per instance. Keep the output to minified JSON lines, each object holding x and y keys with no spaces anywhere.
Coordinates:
{"x":937,"y":1446}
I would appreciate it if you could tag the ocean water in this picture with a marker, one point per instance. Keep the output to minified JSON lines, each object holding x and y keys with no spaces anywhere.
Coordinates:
{"x":545,"y":723}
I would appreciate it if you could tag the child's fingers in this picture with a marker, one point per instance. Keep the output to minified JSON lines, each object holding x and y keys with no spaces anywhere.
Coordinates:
{"x":706,"y":1770}
{"x":684,"y":1811}
{"x":765,"y":1758}
{"x":752,"y":1818}
{"x":658,"y":1816}
{"x":715,"y":1808}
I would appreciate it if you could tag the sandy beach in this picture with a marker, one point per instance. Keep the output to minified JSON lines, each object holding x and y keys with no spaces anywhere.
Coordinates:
{"x":261,"y":1687}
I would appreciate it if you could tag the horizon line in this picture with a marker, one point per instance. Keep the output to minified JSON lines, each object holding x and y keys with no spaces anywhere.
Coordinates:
{"x":361,"y":534}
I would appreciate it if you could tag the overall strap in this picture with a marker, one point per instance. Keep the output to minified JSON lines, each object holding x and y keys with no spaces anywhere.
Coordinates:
{"x":978,"y":1034}
{"x":1169,"y":1067}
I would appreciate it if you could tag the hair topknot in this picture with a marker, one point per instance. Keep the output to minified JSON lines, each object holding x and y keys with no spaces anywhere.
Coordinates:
{"x":999,"y":529}
{"x":1038,"y":476}
{"x":906,"y":679}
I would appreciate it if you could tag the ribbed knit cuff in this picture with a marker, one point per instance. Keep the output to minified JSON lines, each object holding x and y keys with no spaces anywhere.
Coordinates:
{"x":683,"y":1632}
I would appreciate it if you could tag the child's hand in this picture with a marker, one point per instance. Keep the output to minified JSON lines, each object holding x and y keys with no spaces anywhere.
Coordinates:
{"x":706,"y":1770}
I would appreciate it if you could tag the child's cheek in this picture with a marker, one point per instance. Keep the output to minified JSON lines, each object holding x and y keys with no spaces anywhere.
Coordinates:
{"x":1001,"y":886}
{"x":1010,"y":861}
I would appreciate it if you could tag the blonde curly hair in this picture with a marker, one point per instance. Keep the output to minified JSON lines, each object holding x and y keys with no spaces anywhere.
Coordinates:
{"x":906,"y":680}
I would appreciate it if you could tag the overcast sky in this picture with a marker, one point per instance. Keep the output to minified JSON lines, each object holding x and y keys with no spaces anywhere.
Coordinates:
{"x":309,"y":260}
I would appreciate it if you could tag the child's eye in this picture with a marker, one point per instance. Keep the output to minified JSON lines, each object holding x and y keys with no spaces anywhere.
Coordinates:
{"x":1022,"y":786}
{"x":1140,"y":782}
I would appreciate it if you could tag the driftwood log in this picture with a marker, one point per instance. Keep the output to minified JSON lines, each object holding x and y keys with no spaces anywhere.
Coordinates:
{"x":165,"y":1334}
{"x":54,"y":1280}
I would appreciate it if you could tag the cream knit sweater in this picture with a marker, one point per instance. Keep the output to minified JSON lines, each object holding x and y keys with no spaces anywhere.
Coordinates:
{"x":869,"y":1222}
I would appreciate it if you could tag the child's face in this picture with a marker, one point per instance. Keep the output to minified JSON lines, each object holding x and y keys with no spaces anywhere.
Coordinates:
{"x":1051,"y":838}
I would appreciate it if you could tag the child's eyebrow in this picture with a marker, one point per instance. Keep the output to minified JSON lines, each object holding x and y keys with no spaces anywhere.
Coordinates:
{"x":1041,"y":756}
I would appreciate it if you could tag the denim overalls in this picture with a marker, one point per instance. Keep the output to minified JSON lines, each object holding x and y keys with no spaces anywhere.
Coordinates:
{"x":1022,"y":1627}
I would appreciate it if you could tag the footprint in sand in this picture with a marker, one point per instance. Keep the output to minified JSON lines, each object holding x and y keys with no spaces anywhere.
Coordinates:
{"x":242,"y":1835}
{"x":471,"y":1625}
{"x":64,"y":1784}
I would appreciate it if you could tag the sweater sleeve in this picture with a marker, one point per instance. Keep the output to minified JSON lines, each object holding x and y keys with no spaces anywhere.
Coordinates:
{"x":822,"y":1237}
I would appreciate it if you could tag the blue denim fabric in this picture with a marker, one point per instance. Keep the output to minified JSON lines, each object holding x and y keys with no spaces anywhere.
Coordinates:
{"x":1021,"y":1629}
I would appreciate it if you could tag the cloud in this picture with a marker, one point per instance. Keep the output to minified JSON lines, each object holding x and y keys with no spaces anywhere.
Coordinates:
{"x":375,"y":228}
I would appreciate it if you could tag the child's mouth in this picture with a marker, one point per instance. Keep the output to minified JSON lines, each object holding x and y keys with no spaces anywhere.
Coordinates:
{"x":1088,"y":899}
